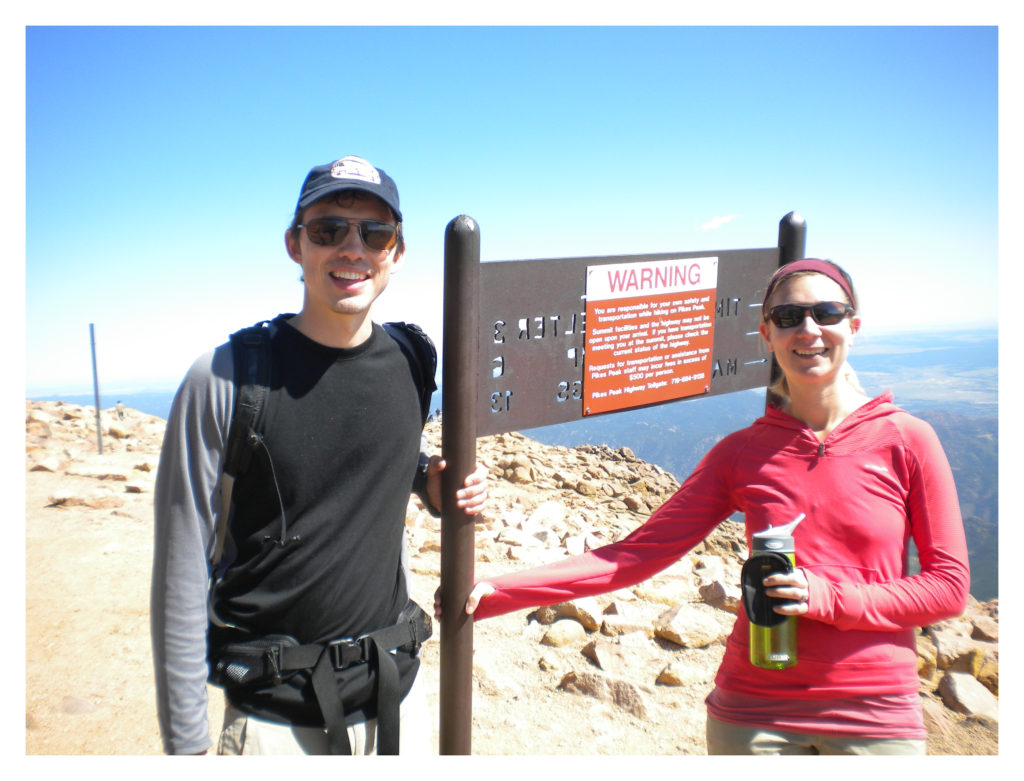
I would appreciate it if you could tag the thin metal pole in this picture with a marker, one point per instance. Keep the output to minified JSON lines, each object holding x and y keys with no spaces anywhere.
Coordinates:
{"x":96,"y":389}
{"x":792,"y":246}
{"x":458,"y":448}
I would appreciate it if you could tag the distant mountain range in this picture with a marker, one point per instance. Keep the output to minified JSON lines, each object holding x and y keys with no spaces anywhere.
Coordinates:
{"x":949,"y":380}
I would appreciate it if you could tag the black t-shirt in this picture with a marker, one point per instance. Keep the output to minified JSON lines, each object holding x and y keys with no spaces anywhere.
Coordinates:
{"x":342,"y":427}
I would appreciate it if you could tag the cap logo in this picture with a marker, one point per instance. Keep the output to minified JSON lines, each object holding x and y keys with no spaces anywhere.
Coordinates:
{"x":355,"y":168}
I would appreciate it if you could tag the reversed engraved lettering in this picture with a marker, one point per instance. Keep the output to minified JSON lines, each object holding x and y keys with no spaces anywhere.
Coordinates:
{"x":732,"y":366}
{"x":727,"y":307}
{"x":501,"y":401}
{"x":569,"y":390}
{"x":499,"y":334}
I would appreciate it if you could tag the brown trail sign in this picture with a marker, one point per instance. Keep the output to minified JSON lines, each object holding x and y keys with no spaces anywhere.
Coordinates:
{"x":538,"y":342}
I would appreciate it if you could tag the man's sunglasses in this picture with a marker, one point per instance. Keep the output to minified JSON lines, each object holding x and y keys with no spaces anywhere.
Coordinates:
{"x":824,"y":313}
{"x":331,"y":231}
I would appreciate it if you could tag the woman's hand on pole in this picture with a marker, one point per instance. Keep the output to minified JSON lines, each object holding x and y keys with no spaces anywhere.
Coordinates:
{"x":480,"y":590}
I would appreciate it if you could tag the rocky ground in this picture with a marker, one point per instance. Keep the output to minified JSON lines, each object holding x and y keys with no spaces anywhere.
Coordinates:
{"x":621,"y":674}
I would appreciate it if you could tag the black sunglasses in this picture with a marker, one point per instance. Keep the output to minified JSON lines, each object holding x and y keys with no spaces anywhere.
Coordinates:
{"x":824,"y":313}
{"x":331,"y":231}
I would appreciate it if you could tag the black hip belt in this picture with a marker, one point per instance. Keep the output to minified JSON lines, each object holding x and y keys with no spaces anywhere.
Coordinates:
{"x":269,"y":658}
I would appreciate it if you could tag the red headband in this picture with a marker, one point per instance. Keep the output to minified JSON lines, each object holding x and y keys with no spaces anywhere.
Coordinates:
{"x":830,"y":270}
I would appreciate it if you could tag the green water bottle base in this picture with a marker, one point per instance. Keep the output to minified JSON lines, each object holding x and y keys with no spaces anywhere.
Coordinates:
{"x":774,"y":647}
{"x":772,"y":664}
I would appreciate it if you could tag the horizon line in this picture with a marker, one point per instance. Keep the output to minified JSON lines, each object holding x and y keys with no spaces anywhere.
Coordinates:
{"x":168,"y":384}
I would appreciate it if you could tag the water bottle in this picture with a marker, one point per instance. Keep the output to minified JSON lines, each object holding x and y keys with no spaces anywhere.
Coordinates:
{"x":772,"y":636}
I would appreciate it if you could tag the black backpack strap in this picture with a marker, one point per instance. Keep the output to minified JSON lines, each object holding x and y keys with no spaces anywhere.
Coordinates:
{"x":421,"y":354}
{"x":250,"y":349}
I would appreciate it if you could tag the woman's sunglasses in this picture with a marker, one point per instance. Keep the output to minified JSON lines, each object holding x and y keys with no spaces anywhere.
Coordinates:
{"x":331,"y":231}
{"x":824,"y":313}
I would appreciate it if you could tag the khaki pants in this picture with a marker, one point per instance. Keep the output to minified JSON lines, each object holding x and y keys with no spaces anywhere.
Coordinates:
{"x":724,"y":738}
{"x":245,"y":734}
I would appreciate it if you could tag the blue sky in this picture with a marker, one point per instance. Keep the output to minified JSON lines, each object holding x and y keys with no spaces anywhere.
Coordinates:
{"x":162,"y":165}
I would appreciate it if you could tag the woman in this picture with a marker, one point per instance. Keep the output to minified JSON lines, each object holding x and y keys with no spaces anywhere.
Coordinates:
{"x":869,"y":478}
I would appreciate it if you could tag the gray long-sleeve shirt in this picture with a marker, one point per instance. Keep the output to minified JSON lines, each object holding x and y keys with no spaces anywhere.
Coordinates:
{"x":186,"y":509}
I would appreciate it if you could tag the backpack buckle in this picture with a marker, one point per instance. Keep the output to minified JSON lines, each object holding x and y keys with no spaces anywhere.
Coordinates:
{"x":347,"y":652}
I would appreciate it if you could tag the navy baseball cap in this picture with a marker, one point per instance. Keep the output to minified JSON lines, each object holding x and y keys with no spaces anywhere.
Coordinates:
{"x":348,"y":173}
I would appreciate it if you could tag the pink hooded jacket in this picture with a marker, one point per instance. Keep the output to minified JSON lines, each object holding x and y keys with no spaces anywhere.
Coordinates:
{"x":879,"y":480}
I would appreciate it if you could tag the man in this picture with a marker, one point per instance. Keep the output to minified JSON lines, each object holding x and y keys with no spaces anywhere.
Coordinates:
{"x":313,"y":558}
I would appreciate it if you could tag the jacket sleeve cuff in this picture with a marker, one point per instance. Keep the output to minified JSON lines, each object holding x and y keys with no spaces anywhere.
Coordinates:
{"x":829,"y":603}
